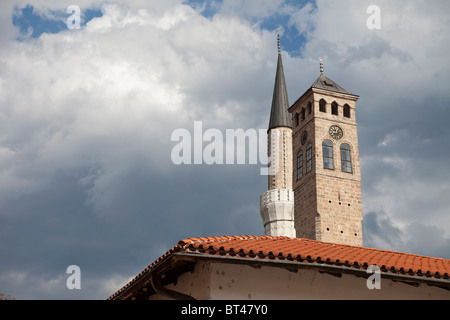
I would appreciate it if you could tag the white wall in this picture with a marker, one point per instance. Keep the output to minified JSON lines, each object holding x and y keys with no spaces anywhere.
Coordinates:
{"x":214,"y":280}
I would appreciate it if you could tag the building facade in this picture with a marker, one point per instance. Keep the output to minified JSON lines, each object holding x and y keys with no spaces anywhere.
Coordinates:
{"x":327,"y":177}
{"x":274,"y":268}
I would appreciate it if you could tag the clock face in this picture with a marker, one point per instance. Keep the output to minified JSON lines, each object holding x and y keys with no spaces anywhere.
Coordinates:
{"x":336,"y":132}
{"x":304,"y":137}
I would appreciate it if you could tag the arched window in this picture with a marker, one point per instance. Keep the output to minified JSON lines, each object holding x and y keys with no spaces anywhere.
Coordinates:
{"x":346,"y":111}
{"x":346,"y":158}
{"x":303,"y":114}
{"x":309,"y":108}
{"x":299,"y":164}
{"x":296,"y":119}
{"x":322,"y":105}
{"x":327,"y":147}
{"x":334,"y":108}
{"x":308,"y":158}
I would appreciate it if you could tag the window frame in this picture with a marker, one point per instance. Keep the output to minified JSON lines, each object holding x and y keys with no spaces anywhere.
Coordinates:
{"x":334,"y":108}
{"x":300,"y":164}
{"x":347,"y":111}
{"x":322,"y":106}
{"x":327,"y":144}
{"x":309,"y":157}
{"x":346,"y":163}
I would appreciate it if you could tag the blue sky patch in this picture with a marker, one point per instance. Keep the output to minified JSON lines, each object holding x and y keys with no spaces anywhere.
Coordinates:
{"x":27,"y":17}
{"x":292,"y":41}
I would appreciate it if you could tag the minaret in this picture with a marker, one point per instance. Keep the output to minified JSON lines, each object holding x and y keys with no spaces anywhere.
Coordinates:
{"x":277,"y":203}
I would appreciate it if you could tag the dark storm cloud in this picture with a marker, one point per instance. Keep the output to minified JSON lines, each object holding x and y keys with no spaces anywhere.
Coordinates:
{"x":85,"y":141}
{"x":378,"y":225}
{"x":146,"y":214}
{"x":423,"y":239}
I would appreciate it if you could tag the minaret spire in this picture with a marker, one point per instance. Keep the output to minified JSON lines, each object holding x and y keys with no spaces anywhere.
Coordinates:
{"x":279,"y":115}
{"x":277,"y":203}
{"x":278,"y":42}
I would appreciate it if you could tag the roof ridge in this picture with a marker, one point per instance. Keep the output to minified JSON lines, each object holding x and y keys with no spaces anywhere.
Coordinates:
{"x":323,"y":82}
{"x":251,"y":237}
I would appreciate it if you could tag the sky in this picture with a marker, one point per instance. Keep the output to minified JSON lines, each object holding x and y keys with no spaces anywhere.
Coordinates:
{"x":87,"y":117}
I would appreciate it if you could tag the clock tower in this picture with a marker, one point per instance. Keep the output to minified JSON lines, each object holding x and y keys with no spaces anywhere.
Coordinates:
{"x":326,"y":172}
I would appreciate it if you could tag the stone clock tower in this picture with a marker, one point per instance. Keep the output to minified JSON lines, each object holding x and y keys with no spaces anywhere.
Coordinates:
{"x":326,"y":172}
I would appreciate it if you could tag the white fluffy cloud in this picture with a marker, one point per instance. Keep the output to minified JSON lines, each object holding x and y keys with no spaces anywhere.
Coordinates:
{"x":114,"y":91}
{"x":86,"y":119}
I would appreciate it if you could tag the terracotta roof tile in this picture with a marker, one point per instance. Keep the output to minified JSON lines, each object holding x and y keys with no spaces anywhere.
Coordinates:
{"x":285,"y":247}
{"x":314,"y":251}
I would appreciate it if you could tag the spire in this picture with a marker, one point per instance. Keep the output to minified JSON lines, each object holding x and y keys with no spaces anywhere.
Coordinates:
{"x":279,"y":115}
{"x":278,"y":41}
{"x":321,"y":65}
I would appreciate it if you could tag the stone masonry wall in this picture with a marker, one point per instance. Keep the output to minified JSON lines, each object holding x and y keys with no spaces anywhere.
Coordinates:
{"x":328,"y":203}
{"x":280,"y":141}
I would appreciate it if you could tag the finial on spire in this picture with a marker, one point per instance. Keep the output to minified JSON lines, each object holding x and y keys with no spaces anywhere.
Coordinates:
{"x":321,"y":66}
{"x":278,"y":42}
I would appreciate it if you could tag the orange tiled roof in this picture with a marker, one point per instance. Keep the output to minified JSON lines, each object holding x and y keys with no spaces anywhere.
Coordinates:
{"x":313,"y":251}
{"x":284,"y":248}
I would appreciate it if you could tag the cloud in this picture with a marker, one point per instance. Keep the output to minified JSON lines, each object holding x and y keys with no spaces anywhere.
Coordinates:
{"x":85,"y":141}
{"x":412,"y":237}
{"x":86,"y":118}
{"x":401,"y":104}
{"x":379,"y":231}
{"x":251,"y":9}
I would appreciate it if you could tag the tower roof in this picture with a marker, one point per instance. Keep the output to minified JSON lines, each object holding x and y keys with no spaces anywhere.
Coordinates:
{"x":325,"y":83}
{"x":279,"y":115}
